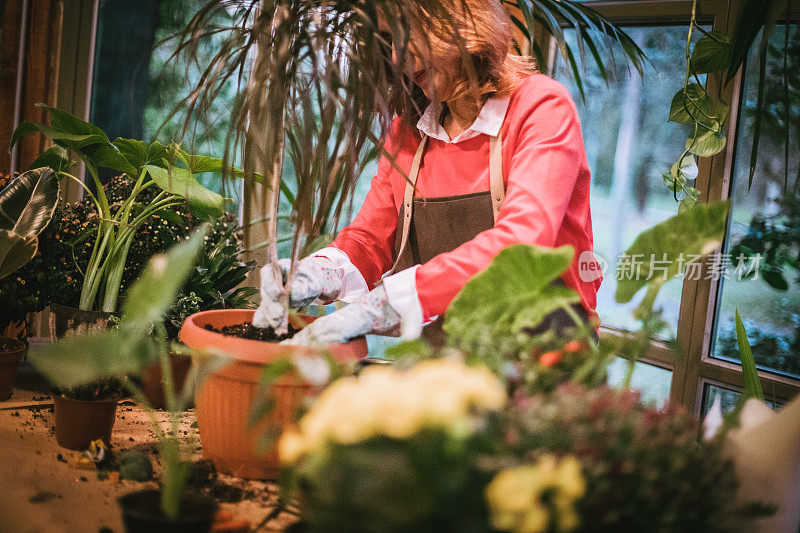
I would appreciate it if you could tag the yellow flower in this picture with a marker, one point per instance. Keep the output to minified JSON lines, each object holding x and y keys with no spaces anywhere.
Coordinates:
{"x":290,"y":447}
{"x":515,"y":496}
{"x":385,"y":401}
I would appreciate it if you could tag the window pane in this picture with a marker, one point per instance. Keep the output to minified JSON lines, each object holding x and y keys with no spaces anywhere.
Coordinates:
{"x":630,"y":145}
{"x":766,"y":221}
{"x":138,"y":83}
{"x":727,"y":398}
{"x":653,"y":382}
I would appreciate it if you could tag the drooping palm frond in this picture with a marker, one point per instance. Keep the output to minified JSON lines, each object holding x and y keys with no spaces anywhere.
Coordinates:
{"x":316,"y":81}
{"x":592,"y":31}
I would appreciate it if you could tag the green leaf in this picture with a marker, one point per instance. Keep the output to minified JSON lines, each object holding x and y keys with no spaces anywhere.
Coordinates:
{"x":752,"y":384}
{"x":658,"y":254}
{"x":55,"y":157}
{"x":156,"y":288}
{"x":712,"y":53}
{"x":107,"y":155}
{"x":265,"y":401}
{"x":63,"y":121}
{"x":199,"y":164}
{"x":775,"y":279}
{"x":27,"y":203}
{"x":691,"y":105}
{"x":73,"y":141}
{"x":15,"y":251}
{"x":515,"y":289}
{"x":707,"y":144}
{"x":139,"y":154}
{"x":94,"y":355}
{"x":26,"y":206}
{"x":203,"y":202}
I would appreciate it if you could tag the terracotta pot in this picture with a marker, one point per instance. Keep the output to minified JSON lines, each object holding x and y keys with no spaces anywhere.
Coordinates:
{"x":65,"y":318}
{"x":79,"y":422}
{"x":141,"y":513}
{"x":224,"y":401}
{"x":9,"y":358}
{"x":153,"y":382}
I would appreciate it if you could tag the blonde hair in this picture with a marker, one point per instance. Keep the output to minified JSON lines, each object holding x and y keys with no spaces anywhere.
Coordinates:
{"x":472,"y":40}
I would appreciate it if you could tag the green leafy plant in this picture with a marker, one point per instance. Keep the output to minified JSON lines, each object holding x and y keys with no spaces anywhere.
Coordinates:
{"x":125,"y":351}
{"x":666,"y":249}
{"x":216,"y":279}
{"x":153,"y":165}
{"x":27,"y":204}
{"x":439,"y":455}
{"x":492,"y":317}
{"x":707,"y":113}
{"x":644,"y":468}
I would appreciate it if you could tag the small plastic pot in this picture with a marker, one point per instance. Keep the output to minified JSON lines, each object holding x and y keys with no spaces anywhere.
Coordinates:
{"x":153,"y":381}
{"x":79,"y":422}
{"x":9,"y":358}
{"x":67,"y":318}
{"x":141,"y":513}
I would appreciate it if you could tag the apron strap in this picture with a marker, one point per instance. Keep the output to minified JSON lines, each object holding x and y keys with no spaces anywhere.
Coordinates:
{"x":408,"y":199}
{"x":497,"y":189}
{"x":496,"y":186}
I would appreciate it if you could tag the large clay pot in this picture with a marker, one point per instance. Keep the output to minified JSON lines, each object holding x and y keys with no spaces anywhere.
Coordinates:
{"x":79,"y":422}
{"x":224,"y":401}
{"x":11,"y":353}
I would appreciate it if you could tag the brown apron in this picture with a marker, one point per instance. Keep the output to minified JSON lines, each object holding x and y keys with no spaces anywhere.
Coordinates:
{"x":427,"y":227}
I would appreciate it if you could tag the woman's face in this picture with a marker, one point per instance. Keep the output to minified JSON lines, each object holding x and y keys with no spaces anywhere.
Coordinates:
{"x":422,"y":67}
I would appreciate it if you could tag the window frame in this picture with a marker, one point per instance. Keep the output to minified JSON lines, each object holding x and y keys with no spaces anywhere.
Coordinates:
{"x":699,"y":298}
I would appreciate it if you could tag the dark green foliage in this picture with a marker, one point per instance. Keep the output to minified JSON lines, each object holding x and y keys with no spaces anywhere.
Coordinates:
{"x":646,"y":469}
{"x":214,"y":281}
{"x":428,"y":483}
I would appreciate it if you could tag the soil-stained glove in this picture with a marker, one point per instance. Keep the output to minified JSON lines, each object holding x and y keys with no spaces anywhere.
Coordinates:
{"x":372,"y":314}
{"x":271,"y":313}
{"x":314,"y":278}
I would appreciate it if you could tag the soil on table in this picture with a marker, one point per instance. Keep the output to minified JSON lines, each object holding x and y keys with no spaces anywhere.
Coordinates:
{"x":10,"y":345}
{"x":247,"y":330}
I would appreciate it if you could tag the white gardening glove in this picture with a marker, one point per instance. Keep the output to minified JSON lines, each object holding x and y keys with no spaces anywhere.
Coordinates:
{"x":371,"y":314}
{"x":315,"y":277}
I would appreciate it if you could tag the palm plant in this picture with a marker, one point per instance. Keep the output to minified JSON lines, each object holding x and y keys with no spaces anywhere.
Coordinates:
{"x":314,"y":81}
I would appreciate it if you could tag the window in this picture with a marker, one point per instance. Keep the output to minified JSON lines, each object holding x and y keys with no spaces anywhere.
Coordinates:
{"x":137,"y":82}
{"x":630,"y":144}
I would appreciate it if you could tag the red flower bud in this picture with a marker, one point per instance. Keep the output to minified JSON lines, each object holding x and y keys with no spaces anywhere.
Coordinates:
{"x":550,"y":358}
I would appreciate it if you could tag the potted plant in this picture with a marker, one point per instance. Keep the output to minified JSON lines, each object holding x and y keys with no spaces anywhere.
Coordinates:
{"x":438,"y":447}
{"x":27,"y":203}
{"x":126,"y":350}
{"x":164,"y":177}
{"x":224,"y":401}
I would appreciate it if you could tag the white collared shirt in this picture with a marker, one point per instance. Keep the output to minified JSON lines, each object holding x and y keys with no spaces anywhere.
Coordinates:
{"x":488,"y":121}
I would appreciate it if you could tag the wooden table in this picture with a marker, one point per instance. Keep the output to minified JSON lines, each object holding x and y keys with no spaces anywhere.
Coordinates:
{"x":42,"y":489}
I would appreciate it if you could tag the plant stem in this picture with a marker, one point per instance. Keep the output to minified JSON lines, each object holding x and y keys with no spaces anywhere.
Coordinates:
{"x":105,"y":230}
{"x":114,"y":265}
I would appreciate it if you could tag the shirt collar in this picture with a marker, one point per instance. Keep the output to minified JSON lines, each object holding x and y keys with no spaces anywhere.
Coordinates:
{"x":489,"y":121}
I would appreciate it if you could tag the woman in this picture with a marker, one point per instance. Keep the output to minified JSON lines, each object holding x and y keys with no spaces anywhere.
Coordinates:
{"x":500,"y":162}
